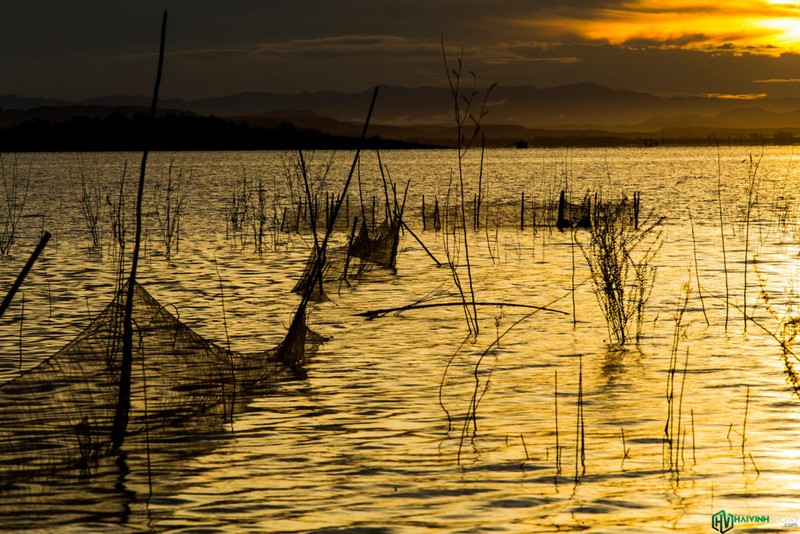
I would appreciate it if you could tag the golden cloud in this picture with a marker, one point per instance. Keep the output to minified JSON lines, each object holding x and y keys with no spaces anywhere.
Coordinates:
{"x":746,"y":96}
{"x":778,"y":80}
{"x":736,"y":26}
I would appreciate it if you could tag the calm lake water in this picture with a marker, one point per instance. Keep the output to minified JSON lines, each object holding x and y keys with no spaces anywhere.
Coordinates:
{"x":377,"y":437}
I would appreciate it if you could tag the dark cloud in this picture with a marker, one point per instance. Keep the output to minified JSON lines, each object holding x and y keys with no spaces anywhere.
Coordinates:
{"x":86,"y":47}
{"x":350,"y":46}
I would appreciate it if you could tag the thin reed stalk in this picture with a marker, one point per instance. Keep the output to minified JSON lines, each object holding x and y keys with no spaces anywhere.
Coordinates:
{"x":90,"y":201}
{"x":312,"y":217}
{"x":488,"y":240}
{"x":572,"y":279}
{"x":722,"y":234}
{"x":670,"y":447}
{"x":169,"y":209}
{"x":15,"y":190}
{"x":680,"y":446}
{"x":752,"y":174}
{"x":464,"y":141}
{"x":697,"y":271}
{"x":117,"y":215}
{"x":478,"y":393}
{"x":227,"y":416}
{"x":555,"y":416}
{"x":145,"y":410}
{"x":694,"y":440}
{"x":580,"y":434}
{"x":21,"y":323}
{"x":322,"y":246}
{"x":479,"y":200}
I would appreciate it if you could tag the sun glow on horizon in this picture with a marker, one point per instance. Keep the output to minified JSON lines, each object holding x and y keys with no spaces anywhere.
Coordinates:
{"x":787,"y":32}
{"x":769,"y":27}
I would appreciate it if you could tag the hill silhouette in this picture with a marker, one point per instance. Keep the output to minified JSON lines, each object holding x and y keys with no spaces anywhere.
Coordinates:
{"x":577,"y":106}
{"x":584,"y":114}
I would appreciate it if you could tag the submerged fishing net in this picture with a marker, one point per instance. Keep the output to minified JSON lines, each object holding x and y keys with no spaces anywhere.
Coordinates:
{"x":61,"y":412}
{"x":571,"y":214}
{"x":543,"y":210}
{"x":364,"y":251}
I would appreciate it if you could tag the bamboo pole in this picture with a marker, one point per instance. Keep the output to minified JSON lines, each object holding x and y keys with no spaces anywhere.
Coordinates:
{"x":24,"y":272}
{"x":120,"y":425}
{"x":437,"y":262}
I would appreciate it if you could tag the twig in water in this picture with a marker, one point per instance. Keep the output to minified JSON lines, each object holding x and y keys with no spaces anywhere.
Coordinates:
{"x":472,"y":411}
{"x":441,"y":388}
{"x":758,"y":472}
{"x":527,"y":457}
{"x":625,"y":450}
{"x":372,"y":314}
{"x":694,"y":441}
{"x":744,"y":423}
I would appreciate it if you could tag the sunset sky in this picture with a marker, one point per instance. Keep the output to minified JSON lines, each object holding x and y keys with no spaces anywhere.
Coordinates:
{"x":81,"y":49}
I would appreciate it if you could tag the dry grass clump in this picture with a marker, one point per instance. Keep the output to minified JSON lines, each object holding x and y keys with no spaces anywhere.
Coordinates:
{"x":12,"y":203}
{"x":620,"y":259}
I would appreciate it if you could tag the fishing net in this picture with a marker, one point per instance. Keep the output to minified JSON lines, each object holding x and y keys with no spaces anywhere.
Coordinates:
{"x":365,"y":250}
{"x":61,"y":412}
{"x":571,"y":214}
{"x":543,"y":210}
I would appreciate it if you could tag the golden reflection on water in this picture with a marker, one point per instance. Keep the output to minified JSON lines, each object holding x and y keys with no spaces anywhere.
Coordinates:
{"x":364,"y":441}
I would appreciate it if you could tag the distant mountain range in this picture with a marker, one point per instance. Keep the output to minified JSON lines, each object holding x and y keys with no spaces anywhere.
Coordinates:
{"x":425,"y":113}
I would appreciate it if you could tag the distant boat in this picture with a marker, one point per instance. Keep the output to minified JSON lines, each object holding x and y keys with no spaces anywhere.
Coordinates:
{"x":521,"y":144}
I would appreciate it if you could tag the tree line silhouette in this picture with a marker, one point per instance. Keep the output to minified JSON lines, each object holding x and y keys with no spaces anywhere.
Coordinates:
{"x":171,"y":132}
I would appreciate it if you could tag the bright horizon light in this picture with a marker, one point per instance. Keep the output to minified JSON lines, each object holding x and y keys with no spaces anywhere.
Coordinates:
{"x":787,"y":32}
{"x":769,"y":27}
